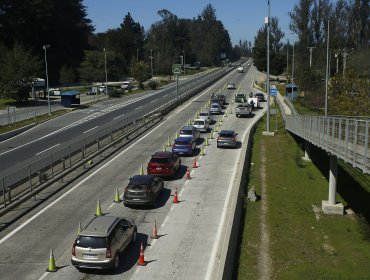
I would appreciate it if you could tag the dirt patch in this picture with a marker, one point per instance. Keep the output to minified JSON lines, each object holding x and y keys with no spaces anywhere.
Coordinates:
{"x":264,"y":259}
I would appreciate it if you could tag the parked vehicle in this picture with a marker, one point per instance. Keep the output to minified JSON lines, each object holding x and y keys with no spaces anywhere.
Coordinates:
{"x":227,"y":138}
{"x":126,"y":85}
{"x":184,"y":145}
{"x":163,"y":164}
{"x":243,"y":110}
{"x":143,"y":190}
{"x":240,"y":97}
{"x":201,"y":124}
{"x":54,"y":92}
{"x":190,"y":130}
{"x":206,"y":115}
{"x":254,"y":101}
{"x":260,"y":96}
{"x":100,"y":243}
{"x":215,"y":108}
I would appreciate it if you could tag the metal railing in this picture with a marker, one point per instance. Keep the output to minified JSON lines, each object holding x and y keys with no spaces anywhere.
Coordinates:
{"x":346,"y":138}
{"x":32,"y":175}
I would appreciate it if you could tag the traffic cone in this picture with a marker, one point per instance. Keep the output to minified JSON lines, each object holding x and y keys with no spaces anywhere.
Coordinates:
{"x":141,"y":261}
{"x":164,"y":148}
{"x":226,"y":114}
{"x":98,"y":209}
{"x":177,"y":135}
{"x":207,"y":144}
{"x":189,"y":121}
{"x":202,"y":151}
{"x":195,"y":162}
{"x":188,"y":174}
{"x":116,"y":197}
{"x":154,"y":231}
{"x":211,"y":134}
{"x":231,"y":110}
{"x":141,"y":171}
{"x":79,"y":229}
{"x":169,"y":142}
{"x":175,"y":198}
{"x":52,"y":267}
{"x":221,"y":120}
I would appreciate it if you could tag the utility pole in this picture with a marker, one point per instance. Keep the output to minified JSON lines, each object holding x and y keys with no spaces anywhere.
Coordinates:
{"x":336,"y":55}
{"x":327,"y":72}
{"x":311,"y":49}
{"x":267,"y":21}
{"x":45,"y":47}
{"x":292,"y":82}
{"x":184,"y":59}
{"x":106,"y":74}
{"x":151,"y":61}
{"x":287,"y":61}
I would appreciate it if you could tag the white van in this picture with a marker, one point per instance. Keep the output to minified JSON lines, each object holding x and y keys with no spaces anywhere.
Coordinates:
{"x":201,"y":124}
{"x":126,"y":85}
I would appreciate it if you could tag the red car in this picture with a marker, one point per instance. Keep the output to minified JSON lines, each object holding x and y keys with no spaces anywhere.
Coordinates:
{"x":164,"y":164}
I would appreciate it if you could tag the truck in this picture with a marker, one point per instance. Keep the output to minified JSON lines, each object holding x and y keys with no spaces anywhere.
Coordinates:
{"x":255,"y":101}
{"x":240,"y":69}
{"x":243,"y":110}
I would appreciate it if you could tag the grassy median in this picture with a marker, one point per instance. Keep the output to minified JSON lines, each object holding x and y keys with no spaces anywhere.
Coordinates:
{"x":303,"y":243}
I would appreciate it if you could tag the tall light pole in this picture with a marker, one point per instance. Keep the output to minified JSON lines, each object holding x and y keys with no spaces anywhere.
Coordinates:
{"x":106,"y":74}
{"x":267,"y":21}
{"x":336,"y":55}
{"x":311,"y":49}
{"x":151,"y":61}
{"x":327,"y":72}
{"x":292,"y":82}
{"x":45,"y":47}
{"x":287,"y":60}
{"x":184,"y":60}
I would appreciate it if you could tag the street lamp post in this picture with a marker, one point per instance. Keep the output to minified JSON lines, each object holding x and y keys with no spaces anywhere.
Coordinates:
{"x":267,"y":21}
{"x":184,"y":60}
{"x":311,"y":50}
{"x":327,"y":72}
{"x":45,"y":47}
{"x":292,"y":82}
{"x":106,"y":74}
{"x":287,"y":60}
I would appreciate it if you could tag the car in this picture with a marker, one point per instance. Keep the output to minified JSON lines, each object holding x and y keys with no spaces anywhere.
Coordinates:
{"x":206,"y":115}
{"x":230,"y":86}
{"x":99,"y":244}
{"x":260,"y":96}
{"x":240,"y":69}
{"x":184,"y":145}
{"x":126,"y":85}
{"x":201,"y":124}
{"x":102,"y":89}
{"x":240,"y":97}
{"x":190,"y":130}
{"x":164,"y":164}
{"x":218,"y":98}
{"x":142,"y":190}
{"x":215,"y":108}
{"x":54,"y":91}
{"x":226,"y":138}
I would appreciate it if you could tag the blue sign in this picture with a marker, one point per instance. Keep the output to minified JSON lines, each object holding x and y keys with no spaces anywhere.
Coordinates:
{"x":273,"y":91}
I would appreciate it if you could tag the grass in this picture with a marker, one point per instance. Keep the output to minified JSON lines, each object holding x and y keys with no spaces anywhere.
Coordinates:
{"x":6,"y":102}
{"x":38,"y":119}
{"x":302,"y":247}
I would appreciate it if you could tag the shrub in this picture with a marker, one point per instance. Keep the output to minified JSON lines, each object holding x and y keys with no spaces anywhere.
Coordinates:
{"x":153,"y":84}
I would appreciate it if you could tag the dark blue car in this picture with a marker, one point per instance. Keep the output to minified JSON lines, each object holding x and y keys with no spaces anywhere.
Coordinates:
{"x":184,"y":146}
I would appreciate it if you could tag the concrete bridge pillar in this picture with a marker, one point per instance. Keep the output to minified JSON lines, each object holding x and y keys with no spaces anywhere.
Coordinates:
{"x":330,"y":206}
{"x":306,"y":151}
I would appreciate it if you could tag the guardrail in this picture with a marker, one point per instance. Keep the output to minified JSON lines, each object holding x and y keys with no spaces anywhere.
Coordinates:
{"x":26,"y":178}
{"x":346,"y":138}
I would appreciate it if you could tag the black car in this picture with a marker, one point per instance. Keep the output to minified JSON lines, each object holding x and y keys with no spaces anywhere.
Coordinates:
{"x":143,"y":190}
{"x":260,"y":96}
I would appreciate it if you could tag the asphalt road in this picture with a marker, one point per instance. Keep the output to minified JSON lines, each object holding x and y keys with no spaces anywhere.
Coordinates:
{"x":25,"y":247}
{"x":56,"y":134}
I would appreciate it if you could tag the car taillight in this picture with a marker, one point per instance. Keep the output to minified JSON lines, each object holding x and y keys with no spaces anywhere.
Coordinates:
{"x":126,"y":191}
{"x":149,"y":191}
{"x":108,"y":253}
{"x":74,"y":250}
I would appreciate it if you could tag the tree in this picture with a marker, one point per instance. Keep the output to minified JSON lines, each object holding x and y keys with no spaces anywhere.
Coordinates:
{"x":67,"y":76}
{"x":18,"y":69}
{"x":140,"y":71}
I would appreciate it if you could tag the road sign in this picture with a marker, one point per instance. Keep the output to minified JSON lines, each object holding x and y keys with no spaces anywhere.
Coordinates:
{"x":273,"y":91}
{"x":176,"y":69}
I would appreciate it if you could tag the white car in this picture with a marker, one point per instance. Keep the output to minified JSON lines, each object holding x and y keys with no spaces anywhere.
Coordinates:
{"x":54,"y":91}
{"x":126,"y":85}
{"x":201,"y":124}
{"x":206,"y":115}
{"x":215,"y":108}
{"x":231,"y":86}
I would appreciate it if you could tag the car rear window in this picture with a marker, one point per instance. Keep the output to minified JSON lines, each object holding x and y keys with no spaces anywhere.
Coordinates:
{"x":186,"y":132}
{"x":182,"y":142}
{"x":199,"y":122}
{"x":226,"y":135}
{"x":214,"y":106}
{"x":160,"y":160}
{"x":204,"y":114}
{"x":138,"y":187}
{"x":91,"y":242}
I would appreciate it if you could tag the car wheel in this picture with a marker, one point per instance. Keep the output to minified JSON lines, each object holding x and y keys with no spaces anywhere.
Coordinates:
{"x":116,"y":261}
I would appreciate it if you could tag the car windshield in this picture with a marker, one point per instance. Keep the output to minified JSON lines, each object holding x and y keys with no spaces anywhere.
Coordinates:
{"x":138,"y":187}
{"x":91,"y":242}
{"x":240,"y":95}
{"x":226,"y":135}
{"x":198,"y":123}
{"x":160,"y":160}
{"x":214,"y":106}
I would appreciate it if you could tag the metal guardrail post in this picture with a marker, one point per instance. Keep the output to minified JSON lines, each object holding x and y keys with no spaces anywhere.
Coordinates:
{"x":346,"y":138}
{"x":30,"y":178}
{"x":366,"y":143}
{"x":70,"y":156}
{"x":355,"y":143}
{"x":51,"y":165}
{"x":4,"y":196}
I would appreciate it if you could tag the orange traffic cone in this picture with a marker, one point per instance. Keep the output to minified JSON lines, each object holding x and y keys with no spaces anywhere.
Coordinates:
{"x":195,"y":162}
{"x":154,"y":231}
{"x":175,"y":198}
{"x":141,"y":259}
{"x":188,"y":174}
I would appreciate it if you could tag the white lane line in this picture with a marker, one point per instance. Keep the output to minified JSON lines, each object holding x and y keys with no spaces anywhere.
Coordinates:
{"x":120,"y":116}
{"x":165,"y":95}
{"x":137,"y":108}
{"x":47,"y":149}
{"x":91,"y":129}
{"x":153,"y":101}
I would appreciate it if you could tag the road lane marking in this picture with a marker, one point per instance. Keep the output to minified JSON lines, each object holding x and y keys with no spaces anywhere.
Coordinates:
{"x":137,"y":108}
{"x":47,"y":149}
{"x":153,"y":101}
{"x":91,"y":129}
{"x":120,"y":116}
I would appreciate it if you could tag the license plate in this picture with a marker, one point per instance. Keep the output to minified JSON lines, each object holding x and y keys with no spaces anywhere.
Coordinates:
{"x":90,"y":256}
{"x":136,"y":199}
{"x":158,"y":168}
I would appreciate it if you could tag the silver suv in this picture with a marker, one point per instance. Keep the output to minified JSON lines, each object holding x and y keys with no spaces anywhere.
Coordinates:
{"x":99,"y":245}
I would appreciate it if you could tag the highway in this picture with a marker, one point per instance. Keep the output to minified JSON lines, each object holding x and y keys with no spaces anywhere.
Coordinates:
{"x":25,"y":245}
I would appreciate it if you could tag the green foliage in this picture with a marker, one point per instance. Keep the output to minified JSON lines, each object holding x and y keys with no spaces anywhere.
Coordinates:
{"x":140,"y":71}
{"x":153,"y":84}
{"x":18,"y":68}
{"x":67,"y":76}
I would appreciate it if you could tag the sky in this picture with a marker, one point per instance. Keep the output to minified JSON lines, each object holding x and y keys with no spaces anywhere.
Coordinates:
{"x":241,"y":18}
